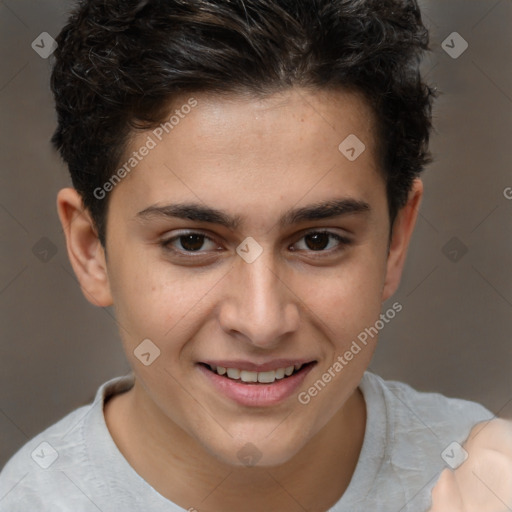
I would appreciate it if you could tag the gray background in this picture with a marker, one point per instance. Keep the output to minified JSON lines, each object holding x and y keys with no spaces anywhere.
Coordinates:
{"x":453,"y":335}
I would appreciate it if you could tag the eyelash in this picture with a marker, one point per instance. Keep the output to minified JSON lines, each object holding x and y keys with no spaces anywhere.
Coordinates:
{"x":166,"y":244}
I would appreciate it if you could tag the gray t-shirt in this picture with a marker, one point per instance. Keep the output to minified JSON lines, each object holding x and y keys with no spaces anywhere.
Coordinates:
{"x":75,"y":466}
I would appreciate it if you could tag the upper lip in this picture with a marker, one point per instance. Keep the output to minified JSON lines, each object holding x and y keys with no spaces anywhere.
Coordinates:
{"x":257,"y":367}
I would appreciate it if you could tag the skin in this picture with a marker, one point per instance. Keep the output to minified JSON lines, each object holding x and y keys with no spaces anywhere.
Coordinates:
{"x":255,"y":159}
{"x":483,"y":483}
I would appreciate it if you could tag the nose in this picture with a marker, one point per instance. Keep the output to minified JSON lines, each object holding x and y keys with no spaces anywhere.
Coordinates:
{"x":259,"y":306}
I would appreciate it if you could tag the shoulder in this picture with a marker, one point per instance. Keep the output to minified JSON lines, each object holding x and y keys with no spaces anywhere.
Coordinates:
{"x":36,"y":469}
{"x":423,"y":431}
{"x":433,"y":409}
{"x":52,"y":469}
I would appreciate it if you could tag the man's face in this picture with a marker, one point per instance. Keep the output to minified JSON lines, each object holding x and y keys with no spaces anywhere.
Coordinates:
{"x":294,"y":293}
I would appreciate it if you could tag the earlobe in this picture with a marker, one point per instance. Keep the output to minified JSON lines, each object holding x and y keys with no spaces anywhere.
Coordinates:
{"x":402,"y":232}
{"x":85,"y":251}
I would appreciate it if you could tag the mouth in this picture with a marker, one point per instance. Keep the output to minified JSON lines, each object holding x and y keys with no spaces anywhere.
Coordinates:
{"x":255,"y":377}
{"x":253,"y":385}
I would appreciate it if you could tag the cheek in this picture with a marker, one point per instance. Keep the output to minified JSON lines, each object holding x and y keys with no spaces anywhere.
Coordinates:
{"x":348,"y":298}
{"x":153,"y":300}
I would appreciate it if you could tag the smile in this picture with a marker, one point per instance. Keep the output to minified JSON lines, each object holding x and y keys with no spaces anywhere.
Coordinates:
{"x":267,"y":377}
{"x":274,"y":383}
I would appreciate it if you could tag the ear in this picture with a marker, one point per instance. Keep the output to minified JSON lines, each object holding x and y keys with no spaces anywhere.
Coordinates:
{"x":85,"y":251}
{"x":401,"y":236}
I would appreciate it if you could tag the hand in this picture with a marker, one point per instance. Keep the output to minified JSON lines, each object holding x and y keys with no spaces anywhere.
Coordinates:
{"x":483,"y":483}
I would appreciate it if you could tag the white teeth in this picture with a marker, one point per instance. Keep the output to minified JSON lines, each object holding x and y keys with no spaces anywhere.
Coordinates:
{"x":233,"y":373}
{"x":267,"y":377}
{"x":262,"y":377}
{"x":279,"y":373}
{"x":246,"y":376}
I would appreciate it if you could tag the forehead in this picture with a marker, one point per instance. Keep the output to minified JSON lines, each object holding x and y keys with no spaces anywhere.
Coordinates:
{"x":242,"y":150}
{"x":293,"y":121}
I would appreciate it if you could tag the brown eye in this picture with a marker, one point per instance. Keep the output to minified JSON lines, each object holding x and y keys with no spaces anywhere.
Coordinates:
{"x":192,"y":242}
{"x":317,"y":241}
{"x":189,"y":242}
{"x":321,"y":241}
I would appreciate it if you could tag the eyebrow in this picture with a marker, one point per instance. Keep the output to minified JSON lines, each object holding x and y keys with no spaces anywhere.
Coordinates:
{"x":201,"y":213}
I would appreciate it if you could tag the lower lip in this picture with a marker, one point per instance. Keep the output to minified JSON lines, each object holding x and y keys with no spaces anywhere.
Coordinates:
{"x":257,"y":395}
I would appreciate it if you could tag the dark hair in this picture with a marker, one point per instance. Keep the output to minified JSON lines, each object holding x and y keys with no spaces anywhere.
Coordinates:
{"x":120,"y":63}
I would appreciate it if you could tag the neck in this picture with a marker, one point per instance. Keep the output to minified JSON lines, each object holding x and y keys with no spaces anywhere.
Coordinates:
{"x":181,"y":470}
